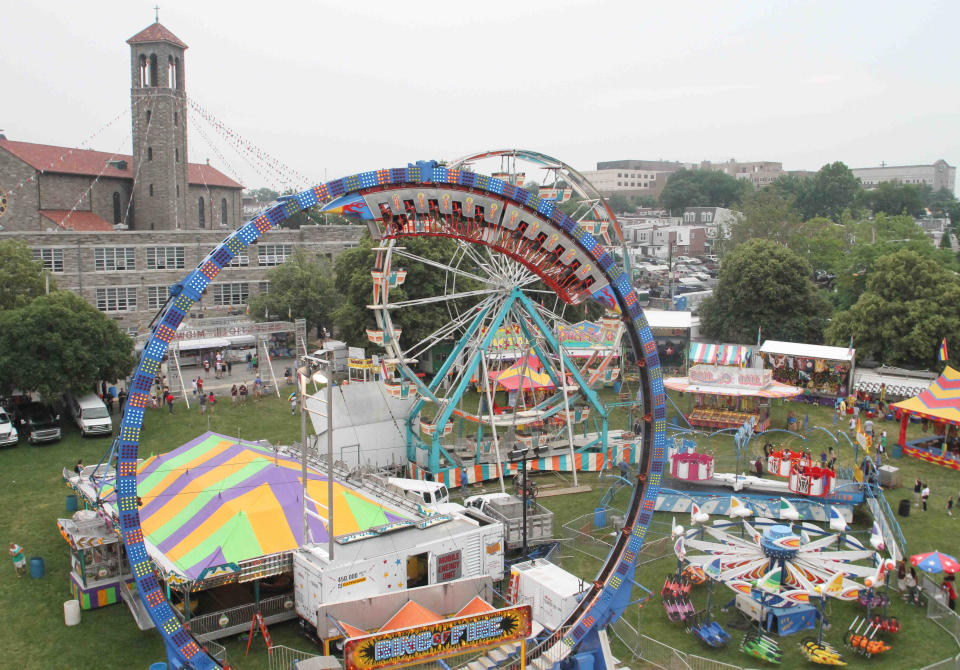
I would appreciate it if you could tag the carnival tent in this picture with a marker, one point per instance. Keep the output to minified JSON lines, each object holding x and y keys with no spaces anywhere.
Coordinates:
{"x":938,"y":402}
{"x":528,"y":371}
{"x":218,"y":500}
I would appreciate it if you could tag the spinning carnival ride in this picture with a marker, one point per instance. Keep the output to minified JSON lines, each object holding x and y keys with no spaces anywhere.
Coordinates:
{"x":499,"y":216}
{"x":807,"y":557}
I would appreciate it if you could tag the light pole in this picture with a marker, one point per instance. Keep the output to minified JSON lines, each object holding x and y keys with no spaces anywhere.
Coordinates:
{"x":522,"y":455}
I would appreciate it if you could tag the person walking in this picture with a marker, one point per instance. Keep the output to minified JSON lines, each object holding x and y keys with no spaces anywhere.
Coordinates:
{"x":193,"y":386}
{"x":170,"y":401}
{"x":243,"y":393}
{"x":19,"y":560}
{"x":233,"y":394}
{"x":917,"y":489}
{"x":203,"y":403}
{"x":925,"y":495}
{"x":109,"y":400}
{"x":758,"y":467}
{"x":950,"y":506}
{"x":121,"y":400}
{"x":211,"y":401}
{"x":293,"y":404}
{"x":229,"y":368}
{"x":200,"y":385}
{"x":853,"y":425}
{"x":868,"y":427}
{"x":951,"y":590}
{"x":79,"y":466}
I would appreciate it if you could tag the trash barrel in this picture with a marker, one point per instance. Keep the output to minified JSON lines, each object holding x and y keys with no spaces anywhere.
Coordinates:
{"x":37,"y":569}
{"x":71,"y":503}
{"x":600,"y":517}
{"x":904,"y":508}
{"x":71,"y":612}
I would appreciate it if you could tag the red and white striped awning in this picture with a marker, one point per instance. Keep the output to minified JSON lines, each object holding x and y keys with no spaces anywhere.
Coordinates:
{"x":719,"y":354}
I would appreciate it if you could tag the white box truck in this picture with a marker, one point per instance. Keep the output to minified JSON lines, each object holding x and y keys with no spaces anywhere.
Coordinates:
{"x":549,"y":589}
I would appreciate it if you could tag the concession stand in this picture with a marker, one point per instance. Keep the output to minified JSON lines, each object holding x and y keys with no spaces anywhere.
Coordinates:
{"x":724,"y":396}
{"x":821,"y":373}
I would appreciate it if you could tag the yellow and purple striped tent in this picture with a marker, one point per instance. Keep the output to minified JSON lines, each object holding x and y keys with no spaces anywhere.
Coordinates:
{"x":939,"y":402}
{"x":216,"y":500}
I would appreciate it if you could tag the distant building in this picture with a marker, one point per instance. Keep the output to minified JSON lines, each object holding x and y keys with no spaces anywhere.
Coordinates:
{"x":758,"y":173}
{"x":937,"y":175}
{"x":716,"y":220}
{"x":632,"y":177}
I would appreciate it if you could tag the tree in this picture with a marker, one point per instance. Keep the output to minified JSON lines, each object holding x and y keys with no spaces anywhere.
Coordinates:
{"x":619,"y":203}
{"x":909,"y":305}
{"x":828,"y":193}
{"x":264,"y":196}
{"x":767,"y":215}
{"x":701,"y":188}
{"x":59,"y":342}
{"x":422,"y":281}
{"x":303,"y":288}
{"x":21,"y":278}
{"x":894,"y":198}
{"x":764,"y":284}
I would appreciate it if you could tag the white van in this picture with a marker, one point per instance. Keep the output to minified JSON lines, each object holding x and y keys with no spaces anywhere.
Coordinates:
{"x":89,"y":413}
{"x":8,"y":434}
{"x":432,"y":496}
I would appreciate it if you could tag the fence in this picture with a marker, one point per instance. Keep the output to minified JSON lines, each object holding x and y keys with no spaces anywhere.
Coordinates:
{"x":947,"y":619}
{"x":237,"y":619}
{"x":285,"y":658}
{"x":581,"y":536}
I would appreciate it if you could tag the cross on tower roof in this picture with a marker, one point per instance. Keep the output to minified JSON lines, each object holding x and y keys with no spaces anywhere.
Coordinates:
{"x":156,"y":13}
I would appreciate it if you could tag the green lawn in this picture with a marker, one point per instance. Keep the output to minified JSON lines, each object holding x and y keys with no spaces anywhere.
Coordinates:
{"x":32,"y":496}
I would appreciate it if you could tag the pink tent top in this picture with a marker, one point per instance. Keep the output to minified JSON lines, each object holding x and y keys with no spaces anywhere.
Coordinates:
{"x":476,"y":606}
{"x":411,"y":614}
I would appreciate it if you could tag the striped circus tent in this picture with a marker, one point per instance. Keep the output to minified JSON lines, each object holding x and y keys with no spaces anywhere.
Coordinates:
{"x":216,"y":500}
{"x":719,"y":354}
{"x":528,"y":371}
{"x":939,"y":402}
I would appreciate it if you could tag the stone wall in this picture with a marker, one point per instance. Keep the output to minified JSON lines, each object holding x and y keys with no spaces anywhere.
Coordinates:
{"x":80,"y":274}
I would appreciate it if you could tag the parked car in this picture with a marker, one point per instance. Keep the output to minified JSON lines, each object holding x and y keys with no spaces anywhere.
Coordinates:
{"x":39,"y":422}
{"x":89,"y":413}
{"x":8,"y":433}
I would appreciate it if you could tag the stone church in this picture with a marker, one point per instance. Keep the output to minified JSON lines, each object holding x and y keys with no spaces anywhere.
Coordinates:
{"x":119,"y":229}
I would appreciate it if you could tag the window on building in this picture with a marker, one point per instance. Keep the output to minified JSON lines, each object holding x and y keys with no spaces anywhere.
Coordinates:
{"x":201,"y":214}
{"x":273,"y":254}
{"x":153,"y":70}
{"x":148,"y":116}
{"x":178,"y":190}
{"x":242,"y":259}
{"x":165,"y":258}
{"x":114,"y":259}
{"x":176,"y":155}
{"x":117,"y":211}
{"x":144,"y":72}
{"x":156,"y":296}
{"x":171,"y":73}
{"x":52,"y":259}
{"x":149,"y":153}
{"x":151,"y":190}
{"x":175,"y":119}
{"x":235,"y":293}
{"x":223,"y":211}
{"x":263,"y":287}
{"x":117,"y":299}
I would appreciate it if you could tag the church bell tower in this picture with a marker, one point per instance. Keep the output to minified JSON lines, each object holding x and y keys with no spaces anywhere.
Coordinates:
{"x":159,"y":115}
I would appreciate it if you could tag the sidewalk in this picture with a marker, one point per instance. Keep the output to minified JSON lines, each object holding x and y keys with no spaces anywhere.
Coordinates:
{"x":240,"y":373}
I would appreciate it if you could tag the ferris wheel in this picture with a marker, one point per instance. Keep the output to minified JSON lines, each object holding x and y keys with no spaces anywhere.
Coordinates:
{"x":518,"y":369}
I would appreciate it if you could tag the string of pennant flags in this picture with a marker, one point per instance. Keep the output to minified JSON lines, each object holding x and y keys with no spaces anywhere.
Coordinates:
{"x":234,"y":173}
{"x":243,"y":145}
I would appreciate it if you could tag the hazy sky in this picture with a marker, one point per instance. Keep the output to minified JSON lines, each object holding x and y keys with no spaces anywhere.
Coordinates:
{"x":339,"y":87}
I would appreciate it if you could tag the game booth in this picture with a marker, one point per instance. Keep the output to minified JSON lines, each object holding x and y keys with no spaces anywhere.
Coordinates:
{"x":671,"y":330}
{"x":939,"y":404}
{"x":724,"y":396}
{"x":821,"y":373}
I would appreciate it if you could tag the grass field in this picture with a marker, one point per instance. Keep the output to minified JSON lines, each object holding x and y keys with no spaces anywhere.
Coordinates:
{"x":32,"y":497}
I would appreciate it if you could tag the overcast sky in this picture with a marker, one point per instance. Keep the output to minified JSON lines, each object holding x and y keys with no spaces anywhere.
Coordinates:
{"x":331,"y":88}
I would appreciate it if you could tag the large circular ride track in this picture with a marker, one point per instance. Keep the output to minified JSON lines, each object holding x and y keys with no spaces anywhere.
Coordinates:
{"x":428,"y":201}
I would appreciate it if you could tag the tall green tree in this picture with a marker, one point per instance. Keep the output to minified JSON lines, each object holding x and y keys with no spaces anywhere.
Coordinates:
{"x":767,"y":215}
{"x":303,"y":287}
{"x":58,"y":342}
{"x":894,"y":198}
{"x":701,"y":188}
{"x":21,"y":278}
{"x":764,"y":284}
{"x":909,"y":305}
{"x":828,"y":193}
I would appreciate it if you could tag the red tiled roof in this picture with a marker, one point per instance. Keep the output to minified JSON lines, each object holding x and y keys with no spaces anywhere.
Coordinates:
{"x":156,"y":33}
{"x":79,"y":220}
{"x":207,"y":175}
{"x":64,"y":160}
